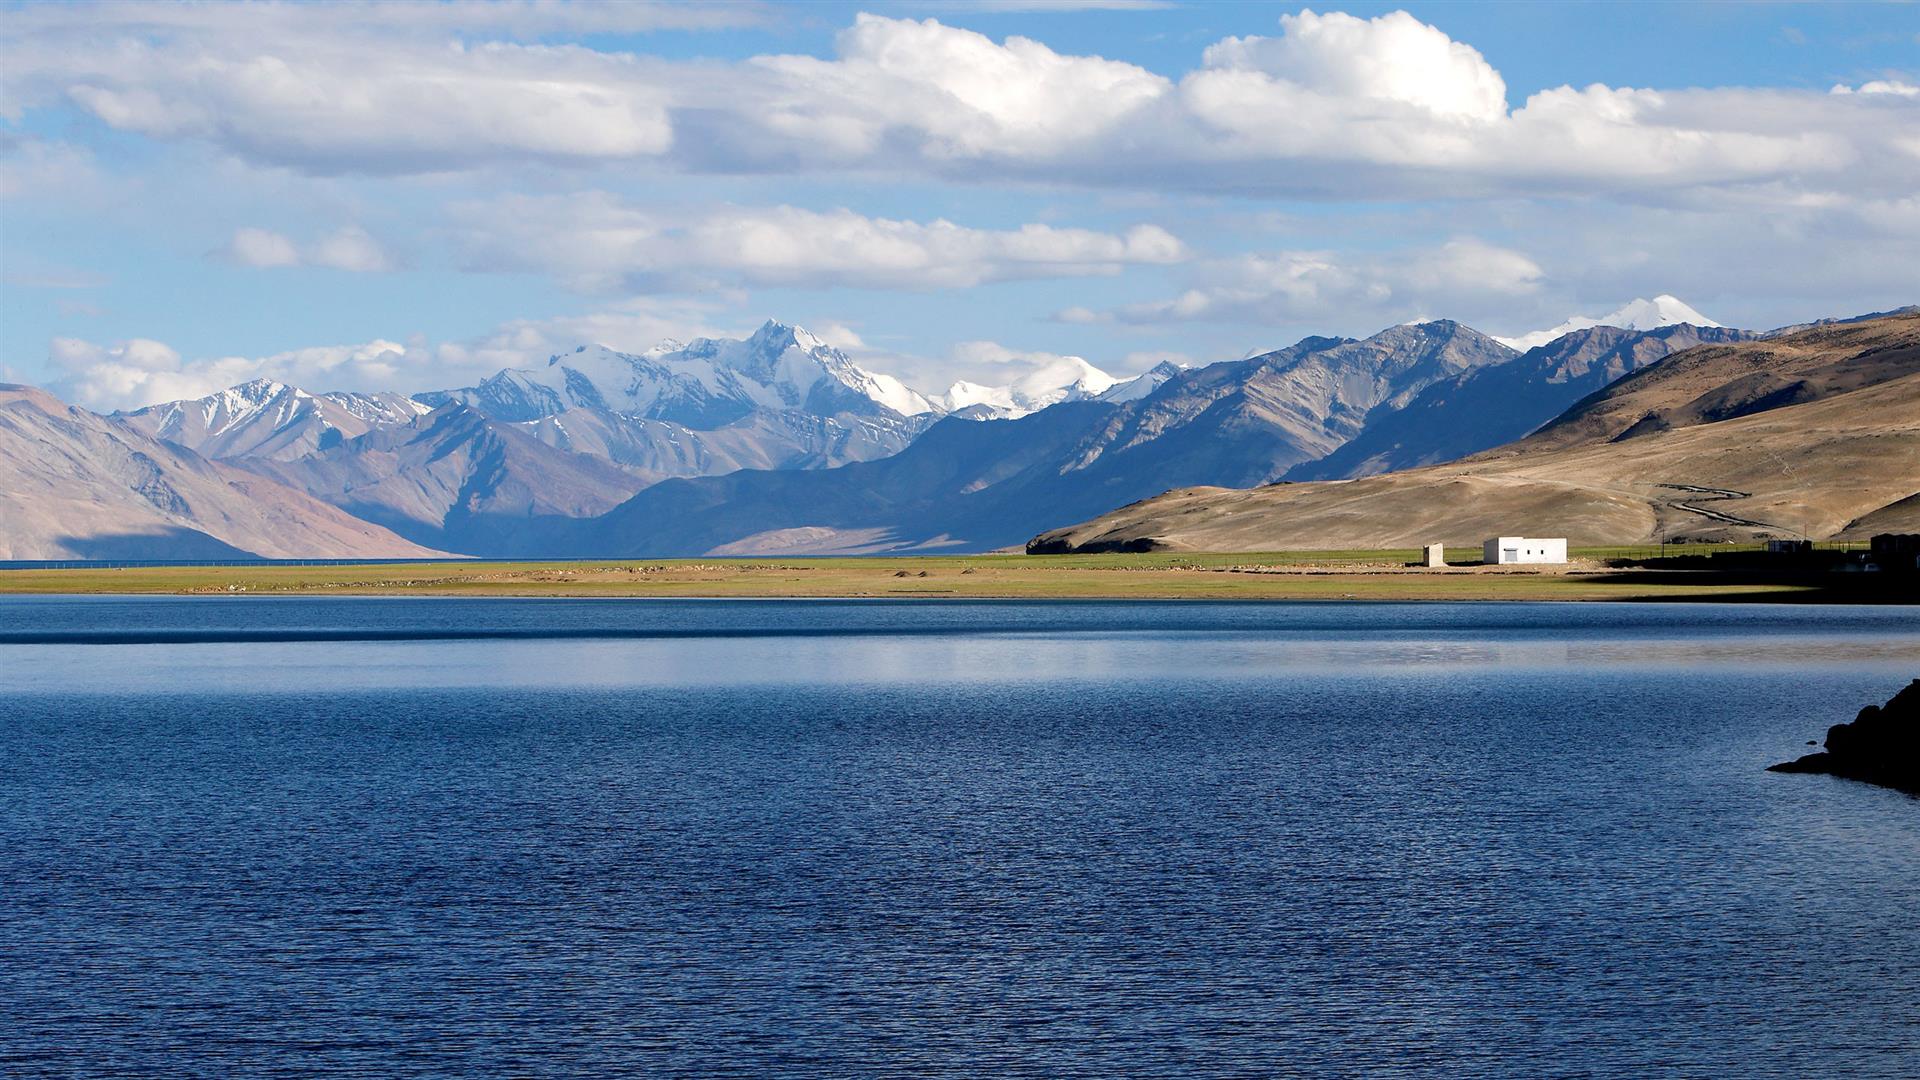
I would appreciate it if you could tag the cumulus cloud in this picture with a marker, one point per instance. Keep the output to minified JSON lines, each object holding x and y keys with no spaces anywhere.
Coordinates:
{"x":596,"y":241}
{"x":1386,"y":64}
{"x":1385,"y":107}
{"x":839,"y":335}
{"x":959,"y":93}
{"x":140,"y":371}
{"x":261,"y":249}
{"x":1881,"y":86}
{"x":1286,"y":286}
{"x":350,"y":248}
{"x":432,"y":111}
{"x":356,"y":87}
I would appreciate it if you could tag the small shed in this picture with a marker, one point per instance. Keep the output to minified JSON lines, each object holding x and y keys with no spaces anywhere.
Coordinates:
{"x":1433,"y":555}
{"x":1506,"y":550}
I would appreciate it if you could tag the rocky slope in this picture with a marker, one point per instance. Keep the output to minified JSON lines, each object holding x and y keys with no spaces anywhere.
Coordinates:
{"x":1808,"y":434}
{"x":655,"y":450}
{"x":74,"y":485}
{"x":1486,"y":406}
{"x":268,"y":419}
{"x":1881,"y":746}
{"x":977,"y":485}
{"x":708,"y":383}
{"x":779,"y":399}
{"x":457,"y":480}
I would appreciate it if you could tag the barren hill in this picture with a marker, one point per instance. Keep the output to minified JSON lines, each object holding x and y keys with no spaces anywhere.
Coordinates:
{"x":457,"y":480}
{"x":1815,"y":433}
{"x":77,"y":485}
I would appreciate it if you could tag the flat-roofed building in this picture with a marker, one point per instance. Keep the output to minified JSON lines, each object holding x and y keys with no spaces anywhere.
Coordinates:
{"x":1505,"y":550}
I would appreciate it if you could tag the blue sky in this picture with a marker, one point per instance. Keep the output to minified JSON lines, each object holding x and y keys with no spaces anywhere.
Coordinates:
{"x":405,"y":197}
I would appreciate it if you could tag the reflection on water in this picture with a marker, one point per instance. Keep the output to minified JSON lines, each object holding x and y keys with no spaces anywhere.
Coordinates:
{"x":690,"y":840}
{"x":292,"y":644}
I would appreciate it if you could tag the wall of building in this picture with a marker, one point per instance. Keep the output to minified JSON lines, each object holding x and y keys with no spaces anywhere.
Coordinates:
{"x":1510,"y":550}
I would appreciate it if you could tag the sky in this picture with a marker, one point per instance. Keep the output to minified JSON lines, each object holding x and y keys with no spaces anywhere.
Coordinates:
{"x":414,"y":196}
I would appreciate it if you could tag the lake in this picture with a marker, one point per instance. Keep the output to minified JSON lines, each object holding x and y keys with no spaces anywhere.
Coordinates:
{"x":427,"y":837}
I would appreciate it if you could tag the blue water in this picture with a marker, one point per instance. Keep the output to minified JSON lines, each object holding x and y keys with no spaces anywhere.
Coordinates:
{"x":292,"y":837}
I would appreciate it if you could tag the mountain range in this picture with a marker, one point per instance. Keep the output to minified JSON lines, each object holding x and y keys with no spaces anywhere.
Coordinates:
{"x":1814,"y":433}
{"x":74,"y":485}
{"x":779,"y":442}
{"x":1662,"y":310}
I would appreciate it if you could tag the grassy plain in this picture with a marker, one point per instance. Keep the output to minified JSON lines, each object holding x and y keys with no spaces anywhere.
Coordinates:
{"x":1294,"y":575}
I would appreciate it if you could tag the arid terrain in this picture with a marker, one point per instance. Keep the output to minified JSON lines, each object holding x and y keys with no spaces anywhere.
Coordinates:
{"x":1592,"y":574}
{"x":1813,"y":434}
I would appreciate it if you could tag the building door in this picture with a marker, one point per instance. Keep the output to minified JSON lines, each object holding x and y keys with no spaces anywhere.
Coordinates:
{"x":1509,"y":554}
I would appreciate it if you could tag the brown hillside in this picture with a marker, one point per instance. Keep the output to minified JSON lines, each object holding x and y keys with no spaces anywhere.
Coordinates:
{"x":77,"y":485}
{"x":1840,"y":454}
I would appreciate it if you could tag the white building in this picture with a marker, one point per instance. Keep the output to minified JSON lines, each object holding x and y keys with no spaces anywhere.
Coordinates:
{"x":1524,"y":549}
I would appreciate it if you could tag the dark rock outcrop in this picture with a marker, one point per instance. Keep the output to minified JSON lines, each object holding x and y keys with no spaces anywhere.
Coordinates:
{"x":1881,"y":746}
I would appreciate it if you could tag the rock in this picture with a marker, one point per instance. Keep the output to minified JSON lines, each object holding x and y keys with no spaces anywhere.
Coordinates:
{"x":1881,"y":746}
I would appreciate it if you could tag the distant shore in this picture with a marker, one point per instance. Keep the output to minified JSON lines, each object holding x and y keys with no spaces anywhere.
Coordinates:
{"x":1303,"y":575}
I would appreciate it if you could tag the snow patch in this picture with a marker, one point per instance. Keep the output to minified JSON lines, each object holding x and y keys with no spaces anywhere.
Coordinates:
{"x":1641,"y":314}
{"x":1068,"y":378}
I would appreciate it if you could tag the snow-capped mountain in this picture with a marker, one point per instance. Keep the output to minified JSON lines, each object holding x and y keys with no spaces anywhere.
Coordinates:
{"x":1067,"y":378}
{"x":1642,"y":314}
{"x":704,"y":384}
{"x":1141,"y":385}
{"x":1236,"y":424}
{"x":269,"y":419}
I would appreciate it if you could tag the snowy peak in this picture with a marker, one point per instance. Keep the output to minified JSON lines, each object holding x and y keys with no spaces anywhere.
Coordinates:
{"x":265,"y":418}
{"x":1662,"y":310}
{"x":774,"y":338}
{"x":703,"y":384}
{"x":1143,"y":384}
{"x":1064,"y":378}
{"x":1642,"y":314}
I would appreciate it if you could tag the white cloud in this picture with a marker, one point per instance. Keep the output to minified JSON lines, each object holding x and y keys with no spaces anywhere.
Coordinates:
{"x":1381,"y":64}
{"x":33,"y":166}
{"x":838,"y":335}
{"x":1049,"y":6}
{"x":1387,"y":107}
{"x":1286,"y":286}
{"x":1021,"y":380}
{"x":261,"y":248}
{"x":421,"y":112}
{"x":1880,"y":86}
{"x":596,"y":241}
{"x":138,"y":354}
{"x":290,"y":21}
{"x":140,"y":371}
{"x":962,"y":94}
{"x":350,"y":248}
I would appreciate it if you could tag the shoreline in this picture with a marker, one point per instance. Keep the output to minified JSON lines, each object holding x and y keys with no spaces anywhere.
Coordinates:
{"x":1358,"y":576}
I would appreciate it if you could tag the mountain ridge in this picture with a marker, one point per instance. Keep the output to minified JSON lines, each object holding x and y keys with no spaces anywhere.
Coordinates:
{"x":74,"y":484}
{"x":1840,"y":456}
{"x":979,"y":484}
